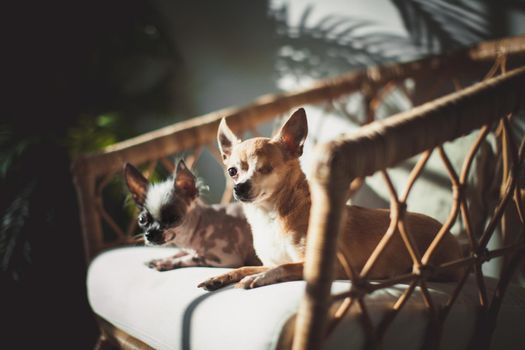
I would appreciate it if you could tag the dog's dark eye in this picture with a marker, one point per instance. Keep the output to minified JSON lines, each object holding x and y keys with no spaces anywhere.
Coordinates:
{"x":232,"y":171}
{"x":265,"y":169}
{"x":144,"y":219}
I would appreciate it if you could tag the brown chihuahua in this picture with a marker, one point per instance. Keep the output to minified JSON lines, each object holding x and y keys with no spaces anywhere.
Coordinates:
{"x":172,"y":213}
{"x":276,"y":199}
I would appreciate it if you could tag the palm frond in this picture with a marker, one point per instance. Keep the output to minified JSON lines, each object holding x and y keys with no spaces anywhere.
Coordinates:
{"x":304,"y":17}
{"x":439,"y":25}
{"x":14,"y":248}
{"x":334,"y":44}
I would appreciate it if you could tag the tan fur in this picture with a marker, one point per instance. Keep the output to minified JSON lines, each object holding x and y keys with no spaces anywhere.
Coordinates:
{"x":282,"y":199}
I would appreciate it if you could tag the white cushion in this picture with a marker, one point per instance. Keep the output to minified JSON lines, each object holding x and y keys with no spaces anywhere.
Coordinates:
{"x":167,"y":311}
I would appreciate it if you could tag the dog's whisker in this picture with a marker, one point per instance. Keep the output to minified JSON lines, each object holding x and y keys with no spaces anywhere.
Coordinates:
{"x":136,"y":239}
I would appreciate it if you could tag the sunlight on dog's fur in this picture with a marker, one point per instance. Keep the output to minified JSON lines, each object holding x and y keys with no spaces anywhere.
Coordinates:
{"x":273,"y":189}
{"x":172,"y":213}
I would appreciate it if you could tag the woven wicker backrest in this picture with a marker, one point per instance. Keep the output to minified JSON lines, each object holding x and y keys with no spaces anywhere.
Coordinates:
{"x":373,"y":148}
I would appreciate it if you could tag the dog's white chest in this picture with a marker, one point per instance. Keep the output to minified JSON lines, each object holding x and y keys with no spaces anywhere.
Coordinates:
{"x":271,"y":246}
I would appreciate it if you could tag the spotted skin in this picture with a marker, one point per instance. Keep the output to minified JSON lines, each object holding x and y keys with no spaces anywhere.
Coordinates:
{"x":217,"y":236}
{"x":186,"y":259}
{"x":172,"y":214}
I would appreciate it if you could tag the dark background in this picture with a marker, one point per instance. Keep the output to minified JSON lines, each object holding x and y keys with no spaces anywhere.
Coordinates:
{"x":78,"y":75}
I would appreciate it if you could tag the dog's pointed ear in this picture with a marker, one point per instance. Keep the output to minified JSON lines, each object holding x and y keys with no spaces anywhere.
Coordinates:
{"x":293,"y":133}
{"x":226,"y":139}
{"x":137,"y":184}
{"x":185,"y":181}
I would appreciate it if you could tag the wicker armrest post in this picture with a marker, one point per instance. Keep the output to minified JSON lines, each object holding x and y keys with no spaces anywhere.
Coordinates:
{"x":328,"y":191}
{"x":90,"y":219}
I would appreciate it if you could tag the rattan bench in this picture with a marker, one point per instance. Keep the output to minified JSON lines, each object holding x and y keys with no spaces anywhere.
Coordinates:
{"x":339,"y":168}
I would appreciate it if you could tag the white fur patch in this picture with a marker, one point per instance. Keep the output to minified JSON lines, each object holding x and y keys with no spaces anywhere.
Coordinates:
{"x":158,"y":196}
{"x":272,"y":247}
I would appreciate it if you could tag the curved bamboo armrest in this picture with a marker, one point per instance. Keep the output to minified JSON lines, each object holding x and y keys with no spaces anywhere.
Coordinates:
{"x":375,"y":147}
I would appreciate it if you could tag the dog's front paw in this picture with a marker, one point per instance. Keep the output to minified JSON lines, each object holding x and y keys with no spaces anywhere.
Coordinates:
{"x":254,"y":281}
{"x":162,"y":264}
{"x":215,"y":283}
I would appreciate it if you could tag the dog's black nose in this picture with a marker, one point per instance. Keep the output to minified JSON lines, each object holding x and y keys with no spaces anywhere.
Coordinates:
{"x":242,"y":189}
{"x":154,"y":235}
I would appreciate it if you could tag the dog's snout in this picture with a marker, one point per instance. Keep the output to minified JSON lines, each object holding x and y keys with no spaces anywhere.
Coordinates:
{"x":243,"y":188}
{"x":154,"y":235}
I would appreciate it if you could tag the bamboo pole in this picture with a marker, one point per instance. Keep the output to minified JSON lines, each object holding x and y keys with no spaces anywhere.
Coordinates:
{"x":89,"y":215}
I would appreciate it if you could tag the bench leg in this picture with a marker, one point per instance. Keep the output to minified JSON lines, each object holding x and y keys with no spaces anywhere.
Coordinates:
{"x":103,"y":343}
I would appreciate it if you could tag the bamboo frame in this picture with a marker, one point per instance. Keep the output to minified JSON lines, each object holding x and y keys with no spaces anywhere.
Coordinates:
{"x":374,"y":148}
